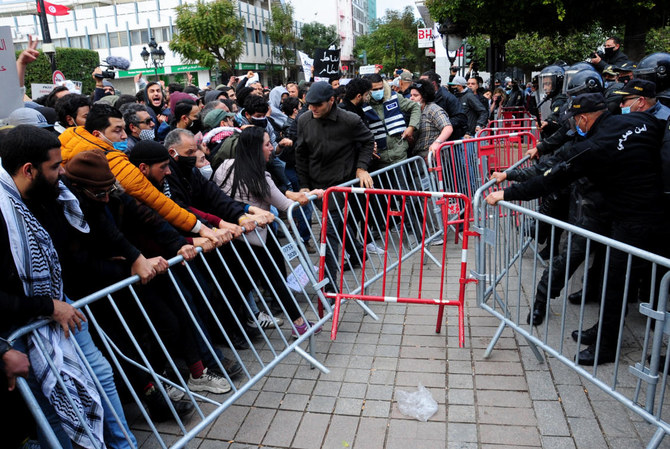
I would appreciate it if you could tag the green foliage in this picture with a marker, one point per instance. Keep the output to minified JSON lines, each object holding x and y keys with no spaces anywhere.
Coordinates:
{"x":533,"y":52}
{"x":209,"y":34}
{"x":658,"y":39}
{"x":394,"y":39}
{"x":316,"y":35}
{"x":77,"y":64}
{"x":282,"y":34}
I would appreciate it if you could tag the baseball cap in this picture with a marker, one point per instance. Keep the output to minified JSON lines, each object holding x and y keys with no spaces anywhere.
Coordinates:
{"x":639,"y":87}
{"x":319,"y":92}
{"x":214,"y":117}
{"x":28,"y":116}
{"x":458,"y":81}
{"x":591,"y":102}
{"x":406,"y":76}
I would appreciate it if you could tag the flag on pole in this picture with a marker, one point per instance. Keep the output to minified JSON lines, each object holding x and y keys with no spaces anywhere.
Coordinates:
{"x":54,"y":10}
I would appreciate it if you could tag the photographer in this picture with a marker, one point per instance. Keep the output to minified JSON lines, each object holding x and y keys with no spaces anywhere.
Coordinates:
{"x":103,"y":87}
{"x":613,"y":55}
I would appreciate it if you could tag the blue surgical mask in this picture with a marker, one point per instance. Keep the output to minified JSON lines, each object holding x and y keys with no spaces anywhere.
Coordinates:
{"x":377,"y":95}
{"x":580,"y":131}
{"x":121,"y":146}
{"x":206,"y":171}
{"x":625,"y":110}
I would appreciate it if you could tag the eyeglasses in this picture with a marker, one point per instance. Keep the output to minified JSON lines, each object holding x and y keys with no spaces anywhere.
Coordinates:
{"x":103,"y":194}
{"x":147,"y":121}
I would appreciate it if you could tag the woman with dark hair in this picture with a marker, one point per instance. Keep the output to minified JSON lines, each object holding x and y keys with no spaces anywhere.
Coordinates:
{"x":434,"y":126}
{"x":245,"y":179}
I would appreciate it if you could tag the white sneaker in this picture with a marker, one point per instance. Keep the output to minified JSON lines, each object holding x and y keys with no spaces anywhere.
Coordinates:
{"x":174,"y":393}
{"x":264,"y":321}
{"x":372,"y":248}
{"x":209,"y":382}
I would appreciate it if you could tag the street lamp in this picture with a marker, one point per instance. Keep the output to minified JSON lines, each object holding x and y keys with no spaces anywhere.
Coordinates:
{"x":157,"y":56}
{"x":395,"y":53}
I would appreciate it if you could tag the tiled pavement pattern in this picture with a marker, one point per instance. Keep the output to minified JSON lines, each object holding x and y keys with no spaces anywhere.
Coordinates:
{"x":508,"y":401}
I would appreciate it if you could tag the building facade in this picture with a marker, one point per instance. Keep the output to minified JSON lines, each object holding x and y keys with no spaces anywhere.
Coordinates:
{"x":123,"y":28}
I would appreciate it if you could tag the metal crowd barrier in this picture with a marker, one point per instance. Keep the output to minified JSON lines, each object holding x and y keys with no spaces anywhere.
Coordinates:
{"x":513,"y":123}
{"x":463,"y":166}
{"x":493,"y":131}
{"x":514,"y":113}
{"x":510,"y":279}
{"x":209,"y":292}
{"x":391,"y":212}
{"x":306,"y":221}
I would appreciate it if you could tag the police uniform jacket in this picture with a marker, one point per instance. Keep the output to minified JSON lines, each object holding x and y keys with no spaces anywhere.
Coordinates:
{"x":621,"y":157}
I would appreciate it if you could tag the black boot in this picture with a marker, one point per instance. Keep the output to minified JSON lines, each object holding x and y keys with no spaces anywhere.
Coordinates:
{"x":589,"y":335}
{"x":576,"y":297}
{"x":538,"y":313}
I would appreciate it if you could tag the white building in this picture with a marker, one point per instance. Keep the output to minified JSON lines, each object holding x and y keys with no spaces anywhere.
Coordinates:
{"x":123,"y":28}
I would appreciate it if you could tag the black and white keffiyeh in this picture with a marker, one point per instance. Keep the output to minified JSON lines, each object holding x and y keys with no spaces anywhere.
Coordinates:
{"x":39,"y":268}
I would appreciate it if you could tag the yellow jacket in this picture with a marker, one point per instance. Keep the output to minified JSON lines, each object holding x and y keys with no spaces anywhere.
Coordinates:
{"x":77,"y":139}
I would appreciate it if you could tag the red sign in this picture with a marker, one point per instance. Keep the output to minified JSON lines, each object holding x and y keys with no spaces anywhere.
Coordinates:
{"x":58,"y":77}
{"x":345,"y":68}
{"x":54,"y":10}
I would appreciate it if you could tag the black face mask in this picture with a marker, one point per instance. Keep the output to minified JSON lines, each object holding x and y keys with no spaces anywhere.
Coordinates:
{"x":609,"y":51}
{"x":624,"y":79}
{"x":186,"y":163}
{"x":262,"y":122}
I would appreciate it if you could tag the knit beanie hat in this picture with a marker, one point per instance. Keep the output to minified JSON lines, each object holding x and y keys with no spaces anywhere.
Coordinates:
{"x":148,"y":152}
{"x":90,"y":168}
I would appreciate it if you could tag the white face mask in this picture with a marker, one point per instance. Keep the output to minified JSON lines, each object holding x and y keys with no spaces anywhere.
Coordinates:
{"x":206,"y":171}
{"x":147,"y":134}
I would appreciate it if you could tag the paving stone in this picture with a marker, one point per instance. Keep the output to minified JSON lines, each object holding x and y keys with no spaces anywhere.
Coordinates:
{"x":351,"y":390}
{"x":541,"y":385}
{"x":255,"y":426}
{"x":461,"y":414}
{"x":282,"y":429}
{"x":294,"y":402}
{"x":499,"y":368}
{"x":342,"y":429}
{"x":507,"y":416}
{"x":383,"y":377}
{"x":550,"y":418}
{"x":380,"y":392}
{"x":371,"y":433}
{"x":311,"y":431}
{"x":462,"y":397}
{"x":510,"y":435}
{"x":497,"y":398}
{"x":375,"y":408}
{"x":462,"y":432}
{"x":586,"y":433}
{"x":322,"y":404}
{"x":557,"y":442}
{"x":348,"y":406}
{"x":575,"y":402}
{"x":486,"y":382}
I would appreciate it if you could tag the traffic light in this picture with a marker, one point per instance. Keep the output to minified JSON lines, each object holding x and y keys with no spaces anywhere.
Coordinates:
{"x":469,"y":53}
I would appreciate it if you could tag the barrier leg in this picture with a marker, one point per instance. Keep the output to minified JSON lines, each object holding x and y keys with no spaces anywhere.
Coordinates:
{"x":656,"y":440}
{"x":494,"y":340}
{"x":40,"y":420}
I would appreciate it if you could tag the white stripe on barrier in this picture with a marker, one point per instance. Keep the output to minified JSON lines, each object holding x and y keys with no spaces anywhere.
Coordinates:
{"x":358,"y":190}
{"x":322,"y":250}
{"x":464,"y":255}
{"x":390,"y":299}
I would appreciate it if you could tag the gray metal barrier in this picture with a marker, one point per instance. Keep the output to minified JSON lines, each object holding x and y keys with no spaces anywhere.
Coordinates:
{"x":632,"y":361}
{"x":210,"y":293}
{"x":408,"y":175}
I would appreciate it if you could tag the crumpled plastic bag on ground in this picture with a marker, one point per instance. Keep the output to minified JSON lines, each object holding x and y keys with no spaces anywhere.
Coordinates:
{"x":418,"y":404}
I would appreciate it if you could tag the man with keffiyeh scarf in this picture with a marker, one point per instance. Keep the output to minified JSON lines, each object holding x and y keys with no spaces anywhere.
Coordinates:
{"x":37,"y":212}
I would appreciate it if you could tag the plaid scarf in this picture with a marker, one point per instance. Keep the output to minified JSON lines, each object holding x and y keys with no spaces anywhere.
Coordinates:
{"x":39,"y":268}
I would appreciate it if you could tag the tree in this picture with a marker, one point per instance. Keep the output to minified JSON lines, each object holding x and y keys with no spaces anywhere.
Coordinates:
{"x":547,"y":17}
{"x":394,"y":42}
{"x":209,"y":34}
{"x":316,"y":35}
{"x":658,"y":39}
{"x":282,"y":35}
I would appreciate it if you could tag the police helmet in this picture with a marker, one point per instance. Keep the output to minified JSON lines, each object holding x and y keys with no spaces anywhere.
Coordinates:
{"x":584,"y":81}
{"x":556,"y":74}
{"x":656,"y":68}
{"x":573,"y":70}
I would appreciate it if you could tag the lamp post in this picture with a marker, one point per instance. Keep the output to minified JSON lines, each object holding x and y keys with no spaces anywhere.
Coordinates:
{"x":156,"y":54}
{"x":395,"y":53}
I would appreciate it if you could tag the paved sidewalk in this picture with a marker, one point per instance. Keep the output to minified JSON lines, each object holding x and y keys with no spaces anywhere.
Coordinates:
{"x":507,"y":401}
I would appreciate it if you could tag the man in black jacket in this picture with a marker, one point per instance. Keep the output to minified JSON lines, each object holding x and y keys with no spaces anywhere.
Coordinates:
{"x":473,"y":108}
{"x":613,"y":55}
{"x":620,"y":157}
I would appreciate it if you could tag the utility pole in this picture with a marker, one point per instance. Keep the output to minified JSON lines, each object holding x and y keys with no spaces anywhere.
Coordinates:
{"x":48,"y":47}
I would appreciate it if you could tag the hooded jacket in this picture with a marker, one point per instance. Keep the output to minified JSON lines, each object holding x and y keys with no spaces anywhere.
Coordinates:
{"x":76,"y":139}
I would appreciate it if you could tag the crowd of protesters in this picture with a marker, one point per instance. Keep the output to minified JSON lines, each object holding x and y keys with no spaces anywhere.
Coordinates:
{"x":96,"y":188}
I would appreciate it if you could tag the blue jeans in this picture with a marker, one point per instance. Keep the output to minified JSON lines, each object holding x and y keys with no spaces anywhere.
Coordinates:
{"x":113,"y":435}
{"x":303,"y":226}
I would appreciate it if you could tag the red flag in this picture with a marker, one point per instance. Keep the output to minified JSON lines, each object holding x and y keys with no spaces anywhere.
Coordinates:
{"x":54,"y":10}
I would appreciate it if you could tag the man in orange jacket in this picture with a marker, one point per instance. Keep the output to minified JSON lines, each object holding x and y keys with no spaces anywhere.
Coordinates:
{"x":105,"y":127}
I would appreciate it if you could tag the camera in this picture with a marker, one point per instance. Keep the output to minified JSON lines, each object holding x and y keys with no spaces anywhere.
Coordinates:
{"x":595,"y":54}
{"x":113,"y":63}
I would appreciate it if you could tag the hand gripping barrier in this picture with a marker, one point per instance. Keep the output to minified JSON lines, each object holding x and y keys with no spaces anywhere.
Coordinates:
{"x":395,"y":225}
{"x":208,"y":297}
{"x":410,"y":174}
{"x":631,"y":359}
